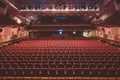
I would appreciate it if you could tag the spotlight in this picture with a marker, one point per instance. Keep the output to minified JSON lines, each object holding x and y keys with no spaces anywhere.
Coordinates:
{"x":60,"y":31}
{"x":74,"y":32}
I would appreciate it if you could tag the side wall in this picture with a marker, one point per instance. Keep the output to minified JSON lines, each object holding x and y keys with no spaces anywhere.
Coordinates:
{"x":111,"y":33}
{"x":8,"y":33}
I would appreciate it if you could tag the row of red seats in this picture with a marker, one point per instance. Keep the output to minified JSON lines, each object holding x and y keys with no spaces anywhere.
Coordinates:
{"x":88,"y":58}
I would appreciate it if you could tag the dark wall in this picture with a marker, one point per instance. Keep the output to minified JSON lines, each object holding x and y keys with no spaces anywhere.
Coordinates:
{"x":118,"y":1}
{"x":56,"y":34}
{"x":64,"y":28}
{"x":114,"y":19}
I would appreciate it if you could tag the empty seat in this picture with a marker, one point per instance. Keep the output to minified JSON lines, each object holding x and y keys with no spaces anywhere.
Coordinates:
{"x":19,"y":72}
{"x":103,"y":72}
{"x":37,"y":65}
{"x":76,"y":66}
{"x":78,"y":72}
{"x":117,"y":72}
{"x":61,"y":72}
{"x":92,"y":65}
{"x":84,"y":65}
{"x":69,"y":66}
{"x":3,"y":72}
{"x":95,"y":72}
{"x":1,"y":65}
{"x":116,"y":65}
{"x":6,"y":65}
{"x":22,"y":65}
{"x":52,"y":72}
{"x":100,"y":65}
{"x":14,"y":65}
{"x":112,"y":73}
{"x":108,"y":66}
{"x":61,"y":66}
{"x":11,"y":72}
{"x":29,"y":65}
{"x":44,"y":72}
{"x":36,"y":72}
{"x":45,"y":66}
{"x":53,"y":66}
{"x":69,"y":72}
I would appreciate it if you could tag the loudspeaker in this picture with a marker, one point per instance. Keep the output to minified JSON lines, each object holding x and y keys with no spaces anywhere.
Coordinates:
{"x":18,"y":29}
{"x":1,"y":30}
{"x":103,"y":29}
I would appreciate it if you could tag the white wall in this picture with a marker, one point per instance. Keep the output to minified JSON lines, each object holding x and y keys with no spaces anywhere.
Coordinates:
{"x":112,"y":33}
{"x":10,"y":33}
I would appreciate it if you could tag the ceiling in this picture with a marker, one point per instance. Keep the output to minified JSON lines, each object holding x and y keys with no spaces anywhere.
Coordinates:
{"x":37,"y":3}
{"x":75,"y":16}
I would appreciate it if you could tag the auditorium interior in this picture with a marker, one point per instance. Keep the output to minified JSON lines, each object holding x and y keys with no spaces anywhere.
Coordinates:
{"x":59,"y":39}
